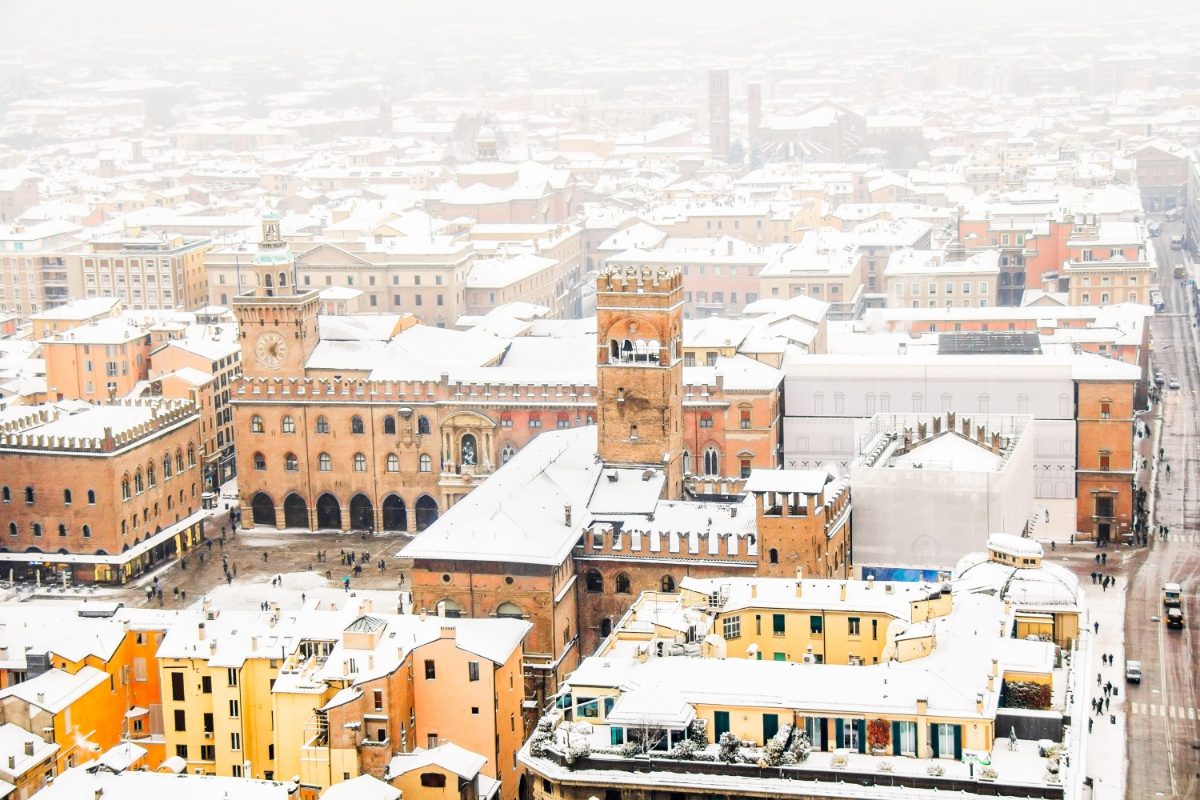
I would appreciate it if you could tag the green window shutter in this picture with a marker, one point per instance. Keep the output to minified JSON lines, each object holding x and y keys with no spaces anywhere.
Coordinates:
{"x":862,"y":735}
{"x":720,"y":724}
{"x":780,"y":657}
{"x":609,"y":702}
{"x":933,"y":738}
{"x":958,"y":742}
{"x":778,"y":623}
{"x":770,"y":726}
{"x":895,"y":738}
{"x":617,"y":736}
{"x":838,"y":733}
{"x":823,"y":729}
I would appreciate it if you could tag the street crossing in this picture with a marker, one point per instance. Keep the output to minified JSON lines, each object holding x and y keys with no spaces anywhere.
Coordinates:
{"x":1155,"y":710}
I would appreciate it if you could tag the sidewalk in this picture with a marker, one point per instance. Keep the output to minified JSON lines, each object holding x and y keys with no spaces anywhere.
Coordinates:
{"x":1107,"y":758}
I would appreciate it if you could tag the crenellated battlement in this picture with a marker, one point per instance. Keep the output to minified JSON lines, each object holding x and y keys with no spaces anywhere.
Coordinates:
{"x":23,"y":432}
{"x":369,"y":391}
{"x":735,"y":544}
{"x":639,"y":279}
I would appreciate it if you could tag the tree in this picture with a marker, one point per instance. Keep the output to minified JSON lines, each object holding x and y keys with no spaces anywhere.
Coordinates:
{"x":737,"y":153}
{"x":648,"y":735}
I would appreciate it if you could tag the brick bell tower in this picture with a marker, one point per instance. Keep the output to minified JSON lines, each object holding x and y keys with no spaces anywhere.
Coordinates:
{"x":276,"y":321}
{"x":639,"y":357}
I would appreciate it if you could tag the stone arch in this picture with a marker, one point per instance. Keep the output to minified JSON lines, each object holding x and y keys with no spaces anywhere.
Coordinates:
{"x":427,"y":511}
{"x":395,"y":514}
{"x":329,"y":512}
{"x":295,"y":511}
{"x":362,"y":512}
{"x":262,"y":509}
{"x":510,"y":610}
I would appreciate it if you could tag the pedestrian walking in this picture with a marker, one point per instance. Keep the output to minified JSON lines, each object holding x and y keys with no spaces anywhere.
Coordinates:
{"x":1096,"y":629}
{"x":1107,"y":700}
{"x":1104,"y":559}
{"x":1090,"y":721}
{"x":264,"y":556}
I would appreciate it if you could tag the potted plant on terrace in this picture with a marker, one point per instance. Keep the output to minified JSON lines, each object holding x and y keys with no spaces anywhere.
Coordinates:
{"x":879,"y":737}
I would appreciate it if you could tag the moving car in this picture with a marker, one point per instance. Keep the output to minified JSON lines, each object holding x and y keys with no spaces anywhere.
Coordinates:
{"x":1155,"y":228}
{"x":1159,"y":378}
{"x":1177,"y":242}
{"x":1173,"y":383}
{"x":1175,"y":618}
{"x":1133,"y":671}
{"x":1172,"y":595}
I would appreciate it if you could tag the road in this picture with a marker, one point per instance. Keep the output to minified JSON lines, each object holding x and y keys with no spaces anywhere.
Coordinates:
{"x":1164,"y":724}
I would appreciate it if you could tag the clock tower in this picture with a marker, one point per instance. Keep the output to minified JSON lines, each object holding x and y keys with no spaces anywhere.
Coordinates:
{"x":276,"y":322}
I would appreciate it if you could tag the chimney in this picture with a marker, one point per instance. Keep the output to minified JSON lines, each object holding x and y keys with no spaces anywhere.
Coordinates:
{"x":41,"y":698}
{"x":922,"y":706}
{"x":253,"y":644}
{"x":991,"y":683}
{"x":979,"y":703}
{"x":29,"y":748}
{"x":996,"y":667}
{"x":799,"y":588}
{"x":754,"y":590}
{"x":870,"y":582}
{"x":200,"y":631}
{"x":567,"y":515}
{"x":12,"y":763}
{"x":842,"y":594}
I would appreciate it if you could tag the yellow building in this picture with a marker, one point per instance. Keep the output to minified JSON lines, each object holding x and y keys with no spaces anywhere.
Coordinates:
{"x":818,"y":677}
{"x":331,"y":694}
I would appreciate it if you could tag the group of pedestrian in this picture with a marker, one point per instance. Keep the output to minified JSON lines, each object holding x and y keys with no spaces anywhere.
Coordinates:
{"x":153,"y":591}
{"x":1104,"y":581}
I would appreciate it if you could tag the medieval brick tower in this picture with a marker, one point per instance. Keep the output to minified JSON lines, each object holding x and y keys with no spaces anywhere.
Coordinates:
{"x":277,"y":323}
{"x":639,"y":357}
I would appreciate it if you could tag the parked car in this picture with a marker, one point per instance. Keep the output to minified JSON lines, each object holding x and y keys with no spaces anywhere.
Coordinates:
{"x":1133,"y":671}
{"x":1155,"y":228}
{"x":1173,"y":383}
{"x":1177,"y":242}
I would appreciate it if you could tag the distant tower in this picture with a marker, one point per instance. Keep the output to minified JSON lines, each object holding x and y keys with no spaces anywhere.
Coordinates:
{"x":277,"y":324}
{"x":639,"y":326}
{"x":718,"y":112}
{"x":385,"y":116}
{"x":486,"y":146}
{"x":753,"y":111}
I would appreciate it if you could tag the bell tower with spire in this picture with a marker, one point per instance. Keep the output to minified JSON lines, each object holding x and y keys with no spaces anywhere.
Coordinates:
{"x":277,"y":323}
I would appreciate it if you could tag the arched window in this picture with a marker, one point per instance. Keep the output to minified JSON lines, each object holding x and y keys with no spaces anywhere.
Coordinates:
{"x":256,"y":424}
{"x":287,"y":424}
{"x":139,"y":483}
{"x":563,"y":420}
{"x":283,"y":279}
{"x":450,"y":609}
{"x":125,"y":493}
{"x":393,"y":461}
{"x":62,"y":529}
{"x":91,"y":497}
{"x":260,"y":461}
{"x":167,"y":466}
{"x":322,"y":425}
{"x":773,"y":555}
{"x":179,"y":461}
{"x":706,"y":419}
{"x":37,"y":529}
{"x":356,"y":424}
{"x":360,"y":462}
{"x":422,"y":425}
{"x":593,"y":581}
{"x":87,"y":531}
{"x":667,"y":584}
{"x":468,"y":455}
{"x":687,"y":463}
{"x":712,"y":461}
{"x":150,"y":481}
{"x":621,"y":583}
{"x":425,"y":463}
{"x":324,"y":463}
{"x":12,"y":529}
{"x":506,"y":453}
{"x":66,"y":497}
{"x":389,"y":425}
{"x":509,"y":610}
{"x":191,"y":456}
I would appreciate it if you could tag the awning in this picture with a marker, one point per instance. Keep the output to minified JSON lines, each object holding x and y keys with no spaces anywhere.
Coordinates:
{"x":136,"y":711}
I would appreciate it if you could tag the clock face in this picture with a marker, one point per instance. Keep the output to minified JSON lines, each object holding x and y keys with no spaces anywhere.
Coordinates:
{"x":270,"y":349}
